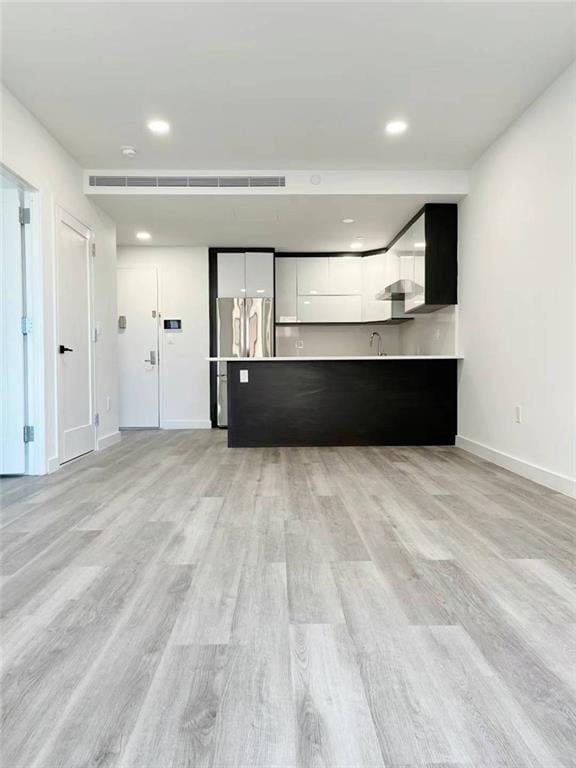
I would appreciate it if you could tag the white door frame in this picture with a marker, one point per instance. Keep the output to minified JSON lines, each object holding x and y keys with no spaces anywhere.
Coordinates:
{"x":63,"y":217}
{"x":34,"y":285}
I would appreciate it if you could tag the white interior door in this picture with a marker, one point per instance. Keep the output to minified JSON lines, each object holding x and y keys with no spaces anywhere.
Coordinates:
{"x":77,"y":432}
{"x":138,"y":347}
{"x":12,"y":346}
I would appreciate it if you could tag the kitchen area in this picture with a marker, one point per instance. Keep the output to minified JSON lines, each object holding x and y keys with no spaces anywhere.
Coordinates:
{"x":355,"y":348}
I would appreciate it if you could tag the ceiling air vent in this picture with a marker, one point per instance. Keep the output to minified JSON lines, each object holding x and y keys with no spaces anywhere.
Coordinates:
{"x":267,"y":181}
{"x":187,"y":181}
{"x":107,"y":181}
{"x":141,"y":181}
{"x":172,"y":181}
{"x":233,"y":181}
{"x":203,"y":181}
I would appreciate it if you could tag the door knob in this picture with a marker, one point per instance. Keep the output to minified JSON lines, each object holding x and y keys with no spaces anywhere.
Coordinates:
{"x":63,"y":349}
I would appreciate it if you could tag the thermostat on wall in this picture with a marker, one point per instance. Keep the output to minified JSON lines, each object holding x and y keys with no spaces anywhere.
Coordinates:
{"x":172,"y":325}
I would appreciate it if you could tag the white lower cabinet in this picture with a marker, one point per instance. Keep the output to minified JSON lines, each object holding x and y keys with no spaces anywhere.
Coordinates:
{"x":329,"y":309}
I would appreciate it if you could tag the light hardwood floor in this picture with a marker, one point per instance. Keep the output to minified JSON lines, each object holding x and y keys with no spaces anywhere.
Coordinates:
{"x":172,"y":603}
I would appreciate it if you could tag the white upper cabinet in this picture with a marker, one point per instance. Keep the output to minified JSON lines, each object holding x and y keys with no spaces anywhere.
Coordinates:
{"x":329,"y":309}
{"x":259,"y":275}
{"x":246,"y":274}
{"x":375,"y":277}
{"x":330,"y":276}
{"x":231,"y":275}
{"x":331,"y":289}
{"x":313,"y":276}
{"x":286,"y":289}
{"x":345,"y":276}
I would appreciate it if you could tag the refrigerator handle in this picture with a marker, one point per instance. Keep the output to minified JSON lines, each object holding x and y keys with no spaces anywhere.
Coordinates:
{"x":246,"y":329}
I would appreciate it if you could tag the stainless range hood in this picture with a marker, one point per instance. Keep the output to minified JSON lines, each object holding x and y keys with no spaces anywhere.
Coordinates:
{"x":401,"y":289}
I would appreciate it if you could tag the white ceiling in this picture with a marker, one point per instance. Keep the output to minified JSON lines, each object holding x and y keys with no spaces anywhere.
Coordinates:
{"x":287,"y":222}
{"x":282,"y":85}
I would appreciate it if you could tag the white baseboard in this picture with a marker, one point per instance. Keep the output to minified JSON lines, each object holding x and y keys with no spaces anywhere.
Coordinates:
{"x":185,"y":424}
{"x":108,"y":440}
{"x":553,"y":480}
{"x":53,"y":464}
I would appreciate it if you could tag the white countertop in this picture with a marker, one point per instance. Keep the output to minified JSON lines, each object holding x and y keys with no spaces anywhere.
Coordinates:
{"x":383,"y":358}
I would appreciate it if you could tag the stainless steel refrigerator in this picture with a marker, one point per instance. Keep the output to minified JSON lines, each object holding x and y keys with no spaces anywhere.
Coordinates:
{"x":245,"y":329}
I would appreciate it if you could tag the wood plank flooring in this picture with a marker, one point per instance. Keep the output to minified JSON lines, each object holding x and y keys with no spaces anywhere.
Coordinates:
{"x":173,"y":603}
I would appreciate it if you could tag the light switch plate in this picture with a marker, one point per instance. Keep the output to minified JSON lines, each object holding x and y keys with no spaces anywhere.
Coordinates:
{"x":243,"y":376}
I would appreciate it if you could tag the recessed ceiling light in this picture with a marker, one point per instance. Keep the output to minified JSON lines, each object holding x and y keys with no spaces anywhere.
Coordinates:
{"x":420,"y":245}
{"x":128,"y":151}
{"x":260,"y":290}
{"x":159,"y":126}
{"x":143,"y":235}
{"x":395,"y":127}
{"x":347,"y":221}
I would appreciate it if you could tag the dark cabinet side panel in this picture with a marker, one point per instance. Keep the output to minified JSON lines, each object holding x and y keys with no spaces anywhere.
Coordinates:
{"x":396,"y":402}
{"x":441,"y":226}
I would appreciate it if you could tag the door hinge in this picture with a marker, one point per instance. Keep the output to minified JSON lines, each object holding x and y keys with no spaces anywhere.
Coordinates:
{"x":28,"y":434}
{"x":26,"y":326}
{"x":93,"y":250}
{"x":24,"y":215}
{"x":96,"y":419}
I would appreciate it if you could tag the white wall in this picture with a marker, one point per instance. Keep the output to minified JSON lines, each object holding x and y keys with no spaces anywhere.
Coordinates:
{"x":32,"y":153}
{"x":183,"y":293}
{"x":518,"y":294}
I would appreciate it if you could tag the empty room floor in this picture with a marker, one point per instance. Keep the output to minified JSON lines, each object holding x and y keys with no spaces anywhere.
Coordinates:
{"x":172,"y":603}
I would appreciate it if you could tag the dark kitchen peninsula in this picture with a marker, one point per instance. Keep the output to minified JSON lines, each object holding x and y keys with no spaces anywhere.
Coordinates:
{"x":342,"y":401}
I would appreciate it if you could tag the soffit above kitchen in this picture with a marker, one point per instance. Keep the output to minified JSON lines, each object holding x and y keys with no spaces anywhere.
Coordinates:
{"x":311,"y":223}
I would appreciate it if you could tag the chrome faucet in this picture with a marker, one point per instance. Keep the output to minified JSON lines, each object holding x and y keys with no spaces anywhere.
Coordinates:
{"x":374,"y":335}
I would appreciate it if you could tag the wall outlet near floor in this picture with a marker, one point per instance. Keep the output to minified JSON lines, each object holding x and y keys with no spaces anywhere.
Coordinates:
{"x":518,"y":414}
{"x":243,"y":376}
{"x":299,"y":344}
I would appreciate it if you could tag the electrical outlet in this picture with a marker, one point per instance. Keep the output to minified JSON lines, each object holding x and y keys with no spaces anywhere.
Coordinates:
{"x":243,"y":376}
{"x":518,"y":413}
{"x":299,"y":344}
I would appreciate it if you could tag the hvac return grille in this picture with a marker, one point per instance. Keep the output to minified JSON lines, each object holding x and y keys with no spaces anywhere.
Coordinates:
{"x":187,"y":181}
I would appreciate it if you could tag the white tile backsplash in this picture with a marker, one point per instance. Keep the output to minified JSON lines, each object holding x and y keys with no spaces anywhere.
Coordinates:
{"x":315,"y":341}
{"x":430,"y":334}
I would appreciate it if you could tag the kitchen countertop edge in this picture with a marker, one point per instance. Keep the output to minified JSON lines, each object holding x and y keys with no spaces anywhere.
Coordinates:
{"x":312,"y":359}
